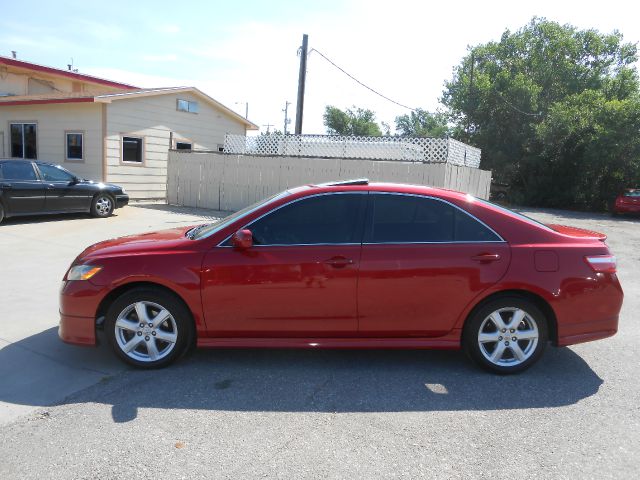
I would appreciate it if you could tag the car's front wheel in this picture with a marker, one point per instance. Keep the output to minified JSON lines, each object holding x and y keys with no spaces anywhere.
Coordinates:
{"x":102,"y":205}
{"x":506,"y":335}
{"x":148,"y":327}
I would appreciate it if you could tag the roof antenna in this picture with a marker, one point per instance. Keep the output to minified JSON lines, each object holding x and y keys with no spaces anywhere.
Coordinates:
{"x":14,"y":54}
{"x":70,"y":67}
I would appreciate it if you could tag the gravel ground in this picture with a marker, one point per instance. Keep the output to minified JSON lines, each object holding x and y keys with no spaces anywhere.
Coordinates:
{"x":357,"y":414}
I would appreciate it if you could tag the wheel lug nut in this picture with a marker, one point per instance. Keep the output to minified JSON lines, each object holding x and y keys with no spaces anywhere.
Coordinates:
{"x":142,"y":325}
{"x":504,"y":330}
{"x":513,"y":338}
{"x":151,"y":325}
{"x":139,"y":333}
{"x":147,"y":338}
{"x":506,"y":343}
{"x":512,"y":330}
{"x":500,"y":338}
{"x":154,"y":334}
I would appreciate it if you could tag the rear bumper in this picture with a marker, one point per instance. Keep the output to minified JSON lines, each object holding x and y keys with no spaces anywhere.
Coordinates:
{"x":122,"y":200}
{"x":586,"y":332}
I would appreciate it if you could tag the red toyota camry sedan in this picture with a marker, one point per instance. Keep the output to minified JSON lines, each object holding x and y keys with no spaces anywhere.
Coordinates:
{"x":348,"y":265}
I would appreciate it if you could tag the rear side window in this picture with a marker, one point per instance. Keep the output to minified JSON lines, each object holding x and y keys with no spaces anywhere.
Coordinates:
{"x":414,"y":219}
{"x":18,"y":171}
{"x":324,"y":219}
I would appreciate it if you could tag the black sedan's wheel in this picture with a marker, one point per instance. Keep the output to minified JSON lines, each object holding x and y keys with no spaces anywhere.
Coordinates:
{"x":102,"y":205}
{"x":1,"y":213}
{"x":148,"y":327}
{"x":507,"y":335}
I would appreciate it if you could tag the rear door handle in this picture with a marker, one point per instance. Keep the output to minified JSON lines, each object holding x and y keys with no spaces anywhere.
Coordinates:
{"x":6,"y":186}
{"x":486,"y":257}
{"x":339,"y":262}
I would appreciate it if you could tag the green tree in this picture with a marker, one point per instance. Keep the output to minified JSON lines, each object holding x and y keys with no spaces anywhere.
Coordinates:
{"x":514,"y":97}
{"x":353,"y":121}
{"x":420,"y":123}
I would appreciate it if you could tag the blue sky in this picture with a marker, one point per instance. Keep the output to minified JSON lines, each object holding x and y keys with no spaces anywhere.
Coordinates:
{"x":246,"y":51}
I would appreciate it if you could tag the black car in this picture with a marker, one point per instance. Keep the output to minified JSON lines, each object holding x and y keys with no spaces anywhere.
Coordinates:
{"x":35,"y":188}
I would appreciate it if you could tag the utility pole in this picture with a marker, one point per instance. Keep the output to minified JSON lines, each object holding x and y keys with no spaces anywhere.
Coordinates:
{"x":302,"y":76}
{"x":268,"y":125}
{"x":286,"y":116}
{"x":246,"y":109}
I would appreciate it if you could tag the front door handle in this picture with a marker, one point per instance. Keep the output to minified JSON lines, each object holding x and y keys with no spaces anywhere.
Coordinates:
{"x":486,"y":257}
{"x":339,"y":262}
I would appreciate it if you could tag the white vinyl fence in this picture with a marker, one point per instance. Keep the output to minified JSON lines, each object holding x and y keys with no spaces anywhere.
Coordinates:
{"x":231,"y":182}
{"x":413,"y":149}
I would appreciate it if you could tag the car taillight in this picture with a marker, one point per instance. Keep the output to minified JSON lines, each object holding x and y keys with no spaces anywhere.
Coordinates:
{"x":602,"y":263}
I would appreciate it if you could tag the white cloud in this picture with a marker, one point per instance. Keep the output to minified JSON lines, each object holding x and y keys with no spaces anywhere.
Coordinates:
{"x":168,"y":57}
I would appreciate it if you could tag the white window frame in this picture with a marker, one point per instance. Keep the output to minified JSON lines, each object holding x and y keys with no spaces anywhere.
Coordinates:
{"x":66,"y":145}
{"x":142,"y":150}
{"x":191,"y":106}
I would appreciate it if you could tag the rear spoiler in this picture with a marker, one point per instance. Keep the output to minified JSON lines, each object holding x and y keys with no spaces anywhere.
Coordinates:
{"x":577,"y":232}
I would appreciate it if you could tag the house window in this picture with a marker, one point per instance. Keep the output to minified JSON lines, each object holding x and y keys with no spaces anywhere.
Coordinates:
{"x":132,"y":149}
{"x":75,"y":145}
{"x":23,"y":140}
{"x":183,"y":146}
{"x":187,"y":106}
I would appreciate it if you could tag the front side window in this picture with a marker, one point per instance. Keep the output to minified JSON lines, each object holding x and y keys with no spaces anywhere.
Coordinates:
{"x":75,"y":144}
{"x":323,"y":219}
{"x":187,"y":106}
{"x":132,"y":149}
{"x":23,"y":140}
{"x":18,"y":171}
{"x":51,"y":173}
{"x":414,"y":219}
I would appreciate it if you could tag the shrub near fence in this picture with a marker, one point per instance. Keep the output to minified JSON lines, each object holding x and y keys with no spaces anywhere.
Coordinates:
{"x":231,"y":182}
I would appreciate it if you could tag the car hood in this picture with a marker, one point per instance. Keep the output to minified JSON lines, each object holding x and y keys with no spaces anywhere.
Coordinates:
{"x":143,"y":243}
{"x":99,"y":184}
{"x":577,"y":232}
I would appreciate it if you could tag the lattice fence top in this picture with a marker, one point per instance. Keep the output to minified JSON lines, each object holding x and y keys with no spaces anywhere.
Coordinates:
{"x":418,"y":149}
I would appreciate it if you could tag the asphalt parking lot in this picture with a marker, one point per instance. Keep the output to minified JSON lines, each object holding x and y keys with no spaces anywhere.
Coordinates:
{"x":72,"y":412}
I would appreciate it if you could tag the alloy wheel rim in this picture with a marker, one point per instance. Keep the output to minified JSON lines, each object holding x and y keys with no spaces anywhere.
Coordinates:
{"x":103,"y":205}
{"x":146,"y":331}
{"x":508,"y":337}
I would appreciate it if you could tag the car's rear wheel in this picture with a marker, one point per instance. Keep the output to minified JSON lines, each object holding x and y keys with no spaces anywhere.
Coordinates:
{"x":1,"y":213}
{"x":507,"y":335}
{"x":148,"y":327}
{"x":102,"y":205}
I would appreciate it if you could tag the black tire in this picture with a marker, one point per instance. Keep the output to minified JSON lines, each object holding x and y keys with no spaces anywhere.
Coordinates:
{"x":178,"y":326}
{"x":1,"y":213}
{"x":510,"y":356}
{"x":102,"y":205}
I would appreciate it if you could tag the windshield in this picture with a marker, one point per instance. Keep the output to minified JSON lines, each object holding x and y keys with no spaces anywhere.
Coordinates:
{"x":632,"y":193}
{"x":208,"y":229}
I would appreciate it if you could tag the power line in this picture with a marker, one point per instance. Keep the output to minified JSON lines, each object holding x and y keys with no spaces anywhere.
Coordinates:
{"x":358,"y":81}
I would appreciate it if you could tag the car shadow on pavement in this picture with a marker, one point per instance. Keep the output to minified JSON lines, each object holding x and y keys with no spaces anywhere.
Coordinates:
{"x":330,"y":381}
{"x":50,"y":218}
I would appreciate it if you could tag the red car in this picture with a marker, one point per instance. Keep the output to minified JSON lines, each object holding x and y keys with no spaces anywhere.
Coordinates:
{"x":348,"y":265}
{"x":627,"y":202}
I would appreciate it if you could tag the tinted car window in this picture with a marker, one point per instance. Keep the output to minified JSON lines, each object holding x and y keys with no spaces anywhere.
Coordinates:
{"x":18,"y":171}
{"x":323,"y":219}
{"x":53,"y":174}
{"x":411,"y":219}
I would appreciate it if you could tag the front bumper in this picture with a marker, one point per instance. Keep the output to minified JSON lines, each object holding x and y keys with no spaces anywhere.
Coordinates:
{"x":79,"y":301}
{"x":122,"y":200}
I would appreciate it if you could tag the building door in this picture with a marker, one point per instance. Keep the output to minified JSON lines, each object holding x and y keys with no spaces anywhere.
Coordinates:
{"x":24,"y":141}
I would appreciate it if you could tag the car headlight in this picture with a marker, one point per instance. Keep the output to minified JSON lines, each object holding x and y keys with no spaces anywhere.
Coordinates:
{"x":82,"y":272}
{"x":124,"y":192}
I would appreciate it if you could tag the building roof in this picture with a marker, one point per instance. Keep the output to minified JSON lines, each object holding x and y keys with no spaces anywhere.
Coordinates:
{"x":124,"y":94}
{"x":13,"y":62}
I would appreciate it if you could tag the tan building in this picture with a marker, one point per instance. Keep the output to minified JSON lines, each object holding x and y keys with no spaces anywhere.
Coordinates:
{"x":106,"y":130}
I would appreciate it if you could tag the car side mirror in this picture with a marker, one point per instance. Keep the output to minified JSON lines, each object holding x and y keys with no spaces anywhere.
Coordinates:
{"x":74,"y":181}
{"x":242,"y":239}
